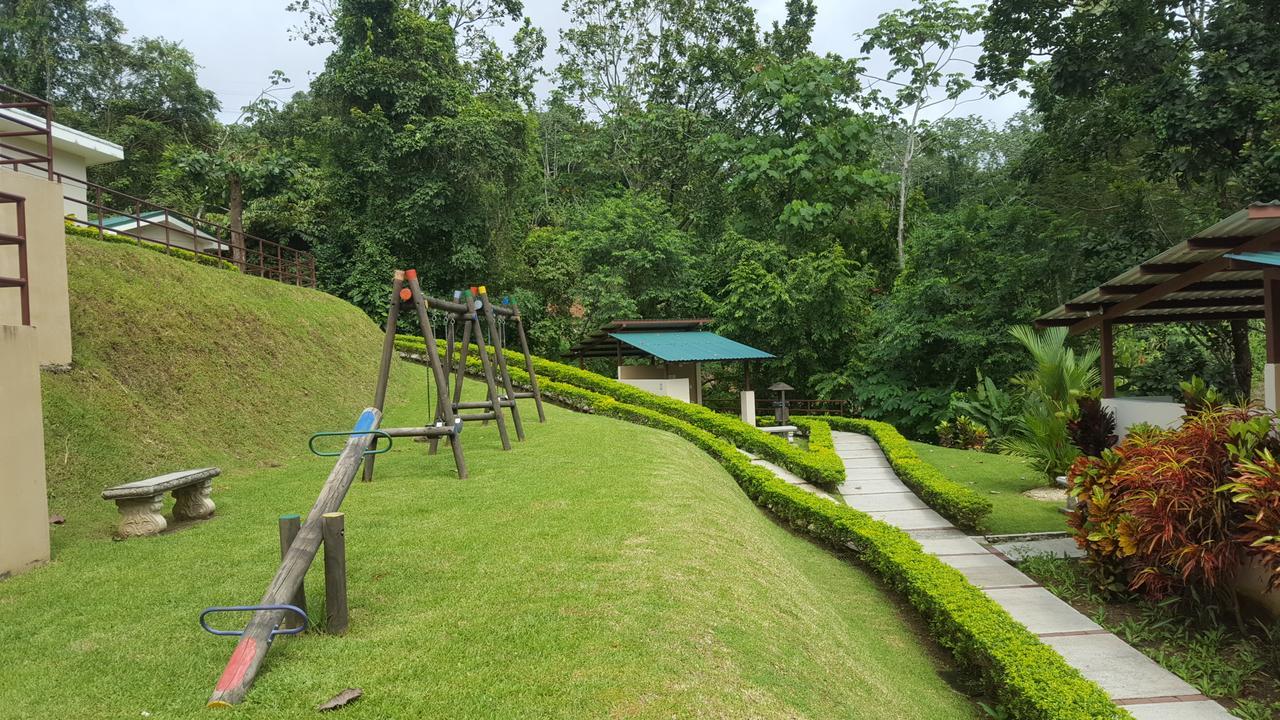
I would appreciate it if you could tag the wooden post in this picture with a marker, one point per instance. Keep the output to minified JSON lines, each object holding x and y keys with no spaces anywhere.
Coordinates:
{"x":528,"y":363}
{"x":290,"y":525}
{"x":501,"y":358}
{"x":384,"y":367}
{"x":1107,"y":360}
{"x":437,"y":372}
{"x":333,"y":530}
{"x":246,"y":660}
{"x":488,"y":377}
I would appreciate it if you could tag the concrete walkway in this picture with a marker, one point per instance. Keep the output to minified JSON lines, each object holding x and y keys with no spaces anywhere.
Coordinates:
{"x":1146,"y":690}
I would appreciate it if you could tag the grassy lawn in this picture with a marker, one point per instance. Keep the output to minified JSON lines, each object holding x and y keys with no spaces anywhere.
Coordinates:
{"x":600,"y":569}
{"x":1002,"y":479}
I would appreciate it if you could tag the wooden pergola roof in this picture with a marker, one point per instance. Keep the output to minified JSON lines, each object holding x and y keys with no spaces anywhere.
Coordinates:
{"x":1215,"y":275}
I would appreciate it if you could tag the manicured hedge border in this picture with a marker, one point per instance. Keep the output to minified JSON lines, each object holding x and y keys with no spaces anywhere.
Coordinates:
{"x":825,"y":469}
{"x":1029,"y":680}
{"x":81,"y":231}
{"x":958,"y":503}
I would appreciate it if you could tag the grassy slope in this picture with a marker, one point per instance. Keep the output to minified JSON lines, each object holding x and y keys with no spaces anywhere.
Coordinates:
{"x":558,"y":581}
{"x":1001,"y":479}
{"x":180,"y":365}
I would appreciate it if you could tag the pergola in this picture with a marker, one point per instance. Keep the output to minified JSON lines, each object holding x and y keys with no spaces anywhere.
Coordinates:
{"x":1228,"y":271}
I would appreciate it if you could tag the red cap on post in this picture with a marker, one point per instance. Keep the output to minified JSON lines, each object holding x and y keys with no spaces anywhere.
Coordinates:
{"x":411,"y":274}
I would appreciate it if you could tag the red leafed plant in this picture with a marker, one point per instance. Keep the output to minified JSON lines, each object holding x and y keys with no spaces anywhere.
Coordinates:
{"x":1150,"y":510}
{"x":1256,"y":491}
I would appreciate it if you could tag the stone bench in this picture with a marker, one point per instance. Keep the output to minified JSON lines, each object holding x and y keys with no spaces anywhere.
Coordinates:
{"x":141,"y":503}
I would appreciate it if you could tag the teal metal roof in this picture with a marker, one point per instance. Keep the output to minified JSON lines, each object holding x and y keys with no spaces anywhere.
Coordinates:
{"x":118,"y":220}
{"x":689,"y":346}
{"x":1261,"y":257}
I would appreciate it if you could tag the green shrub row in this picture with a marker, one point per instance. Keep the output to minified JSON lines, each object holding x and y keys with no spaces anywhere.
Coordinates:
{"x":1029,"y":679}
{"x":825,"y":469}
{"x":958,"y":503}
{"x":81,"y":231}
{"x":819,"y":432}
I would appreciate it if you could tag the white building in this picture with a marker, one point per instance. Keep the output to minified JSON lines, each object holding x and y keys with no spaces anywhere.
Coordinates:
{"x":74,"y":152}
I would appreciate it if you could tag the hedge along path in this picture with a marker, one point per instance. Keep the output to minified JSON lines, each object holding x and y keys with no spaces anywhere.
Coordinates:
{"x":1029,"y":679}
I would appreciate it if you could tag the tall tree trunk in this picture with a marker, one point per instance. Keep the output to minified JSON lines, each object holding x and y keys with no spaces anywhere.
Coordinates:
{"x":904,"y":185}
{"x":1242,"y":357}
{"x":235,"y":207}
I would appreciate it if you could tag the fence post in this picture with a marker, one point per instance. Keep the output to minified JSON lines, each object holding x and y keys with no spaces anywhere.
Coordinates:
{"x":333,"y":530}
{"x":290,"y":526}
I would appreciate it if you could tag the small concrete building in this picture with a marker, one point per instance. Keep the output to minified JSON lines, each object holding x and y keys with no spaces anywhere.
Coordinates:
{"x":166,"y":229}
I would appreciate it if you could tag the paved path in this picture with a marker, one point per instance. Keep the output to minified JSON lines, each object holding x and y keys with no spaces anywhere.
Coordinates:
{"x":1145,"y":689}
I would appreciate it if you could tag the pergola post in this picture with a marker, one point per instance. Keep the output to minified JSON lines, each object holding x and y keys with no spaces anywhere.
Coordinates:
{"x":1107,"y":360}
{"x":1271,"y":327}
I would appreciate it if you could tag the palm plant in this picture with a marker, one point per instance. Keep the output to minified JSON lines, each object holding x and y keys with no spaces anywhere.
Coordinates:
{"x":1050,"y":390}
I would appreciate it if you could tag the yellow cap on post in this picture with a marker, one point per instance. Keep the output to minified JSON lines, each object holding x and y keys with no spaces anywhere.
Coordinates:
{"x":483,"y":291}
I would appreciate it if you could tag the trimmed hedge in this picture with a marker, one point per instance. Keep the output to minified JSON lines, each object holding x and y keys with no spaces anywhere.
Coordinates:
{"x":824,"y":469}
{"x":1029,"y":680}
{"x":81,"y":231}
{"x":819,"y":432}
{"x":958,"y":503}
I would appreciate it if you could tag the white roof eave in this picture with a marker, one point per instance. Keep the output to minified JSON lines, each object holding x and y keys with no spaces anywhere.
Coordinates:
{"x":94,"y":150}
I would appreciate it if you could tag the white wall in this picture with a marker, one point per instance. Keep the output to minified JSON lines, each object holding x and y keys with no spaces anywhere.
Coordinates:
{"x":65,"y":163}
{"x":1129,"y":411}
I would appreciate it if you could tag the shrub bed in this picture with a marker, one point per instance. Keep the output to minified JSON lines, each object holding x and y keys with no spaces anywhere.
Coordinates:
{"x":211,"y":261}
{"x":958,"y":503}
{"x":1029,"y":680}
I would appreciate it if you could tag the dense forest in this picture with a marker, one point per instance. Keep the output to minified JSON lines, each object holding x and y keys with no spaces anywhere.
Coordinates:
{"x":686,"y":161}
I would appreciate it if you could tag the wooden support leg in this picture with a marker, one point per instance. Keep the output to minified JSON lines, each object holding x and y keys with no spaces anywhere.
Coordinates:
{"x":528,"y":366}
{"x":333,"y":530}
{"x":501,"y":359}
{"x":384,"y":366}
{"x":437,"y":372}
{"x":487,"y":364}
{"x":290,"y":526}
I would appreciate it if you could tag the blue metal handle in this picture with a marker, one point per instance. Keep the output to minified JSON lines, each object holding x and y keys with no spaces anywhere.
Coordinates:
{"x":254,"y":608}
{"x":311,"y":444}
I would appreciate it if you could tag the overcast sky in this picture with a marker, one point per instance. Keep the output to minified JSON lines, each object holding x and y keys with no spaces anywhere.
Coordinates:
{"x":239,"y":42}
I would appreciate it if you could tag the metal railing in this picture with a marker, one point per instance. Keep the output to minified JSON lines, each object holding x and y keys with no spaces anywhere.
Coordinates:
{"x":149,"y":222}
{"x":34,"y":118}
{"x":19,"y":240}
{"x":764,"y":407}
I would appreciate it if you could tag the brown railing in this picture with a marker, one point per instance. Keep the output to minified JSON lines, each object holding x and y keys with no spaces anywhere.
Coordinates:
{"x":34,"y":118}
{"x":170,"y":228}
{"x":764,"y":407}
{"x":19,"y":240}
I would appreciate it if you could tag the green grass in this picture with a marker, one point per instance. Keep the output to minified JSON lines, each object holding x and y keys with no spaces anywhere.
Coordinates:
{"x":1002,"y":480}
{"x":600,"y":569}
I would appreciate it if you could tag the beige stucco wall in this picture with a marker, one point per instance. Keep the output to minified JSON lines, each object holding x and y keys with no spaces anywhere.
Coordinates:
{"x":66,"y":163}
{"x":24,"y":508}
{"x":46,"y":265}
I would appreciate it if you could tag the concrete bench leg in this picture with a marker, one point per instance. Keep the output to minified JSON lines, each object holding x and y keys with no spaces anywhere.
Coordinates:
{"x":141,"y":516}
{"x":192,"y":502}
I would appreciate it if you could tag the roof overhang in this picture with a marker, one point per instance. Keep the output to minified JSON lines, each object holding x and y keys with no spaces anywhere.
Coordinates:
{"x":1215,"y":275}
{"x":667,"y":340}
{"x":124,"y":224}
{"x":92,"y":148}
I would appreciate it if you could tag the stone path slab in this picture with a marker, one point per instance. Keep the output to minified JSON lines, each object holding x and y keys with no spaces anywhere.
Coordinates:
{"x":1042,"y":611}
{"x":1145,"y":689}
{"x":885,"y":501}
{"x":1018,"y":550}
{"x":1121,"y":670}
{"x":1185,"y":710}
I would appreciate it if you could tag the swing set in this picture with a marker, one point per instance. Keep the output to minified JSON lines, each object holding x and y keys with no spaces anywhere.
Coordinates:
{"x":479,"y":317}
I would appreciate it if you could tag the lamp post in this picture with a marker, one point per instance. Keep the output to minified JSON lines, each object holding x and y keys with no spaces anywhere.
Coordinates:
{"x":781,"y":414}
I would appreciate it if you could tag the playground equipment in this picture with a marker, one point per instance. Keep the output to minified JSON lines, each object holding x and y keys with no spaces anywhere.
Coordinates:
{"x":269,"y":615}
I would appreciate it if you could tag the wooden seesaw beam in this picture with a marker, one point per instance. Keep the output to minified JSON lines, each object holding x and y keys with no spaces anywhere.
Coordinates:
{"x":251,"y":650}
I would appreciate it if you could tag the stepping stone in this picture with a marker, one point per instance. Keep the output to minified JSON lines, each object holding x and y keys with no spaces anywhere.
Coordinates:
{"x":987,"y":571}
{"x":865,"y":473}
{"x":885,"y":501}
{"x":1193,"y":710}
{"x":862,"y":457}
{"x":1041,"y":611}
{"x":947,"y":542}
{"x":1019,"y":550}
{"x":862,"y":487}
{"x":912,"y":519}
{"x":1123,"y":672}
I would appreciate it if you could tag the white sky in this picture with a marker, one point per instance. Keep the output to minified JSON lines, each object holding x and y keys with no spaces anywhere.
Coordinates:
{"x":239,"y":42}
